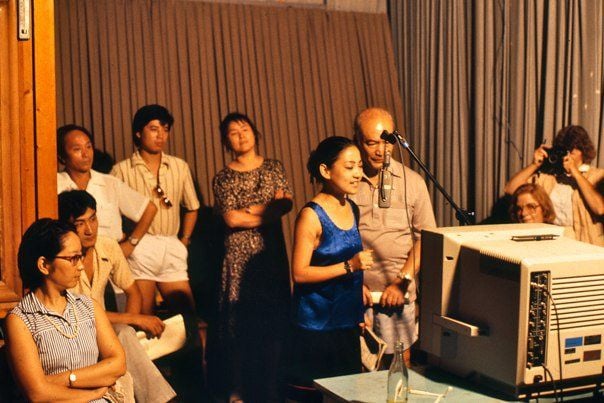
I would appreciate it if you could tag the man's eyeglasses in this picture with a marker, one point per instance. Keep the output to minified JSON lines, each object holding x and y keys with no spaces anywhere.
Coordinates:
{"x":162,"y":196}
{"x":71,"y":259}
{"x":530,"y":207}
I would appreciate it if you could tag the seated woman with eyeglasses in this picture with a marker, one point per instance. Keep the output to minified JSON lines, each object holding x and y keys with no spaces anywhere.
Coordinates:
{"x":531,"y":204}
{"x":60,"y":346}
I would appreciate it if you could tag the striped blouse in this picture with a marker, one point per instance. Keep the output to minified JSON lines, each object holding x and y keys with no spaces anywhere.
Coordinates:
{"x":58,"y":353}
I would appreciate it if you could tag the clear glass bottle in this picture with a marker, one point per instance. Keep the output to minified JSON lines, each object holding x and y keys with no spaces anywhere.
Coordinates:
{"x":398,"y":377}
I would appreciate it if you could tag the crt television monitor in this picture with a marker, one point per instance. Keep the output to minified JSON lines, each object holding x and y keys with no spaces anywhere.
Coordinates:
{"x":496,"y":299}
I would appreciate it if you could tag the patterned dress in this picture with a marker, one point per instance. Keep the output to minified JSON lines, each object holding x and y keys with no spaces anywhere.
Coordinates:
{"x":254,"y":291}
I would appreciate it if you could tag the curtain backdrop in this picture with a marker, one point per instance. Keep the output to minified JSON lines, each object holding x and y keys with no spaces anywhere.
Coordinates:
{"x":483,"y":83}
{"x":301,"y":74}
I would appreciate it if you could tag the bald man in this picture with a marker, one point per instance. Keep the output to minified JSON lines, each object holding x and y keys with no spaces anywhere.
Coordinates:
{"x":395,"y":243}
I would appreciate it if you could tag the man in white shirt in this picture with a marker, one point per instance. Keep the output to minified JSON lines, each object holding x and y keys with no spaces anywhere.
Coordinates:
{"x":114,"y":198}
{"x":104,"y":261}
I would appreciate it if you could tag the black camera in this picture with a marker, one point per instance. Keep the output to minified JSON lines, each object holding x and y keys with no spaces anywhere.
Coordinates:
{"x":553,"y":164}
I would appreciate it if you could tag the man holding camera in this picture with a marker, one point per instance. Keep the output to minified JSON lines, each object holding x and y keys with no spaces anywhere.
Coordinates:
{"x":575,"y":188}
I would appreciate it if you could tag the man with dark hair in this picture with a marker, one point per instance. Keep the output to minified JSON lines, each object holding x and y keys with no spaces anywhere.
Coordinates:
{"x":104,"y":261}
{"x":160,"y":260}
{"x":75,"y":150}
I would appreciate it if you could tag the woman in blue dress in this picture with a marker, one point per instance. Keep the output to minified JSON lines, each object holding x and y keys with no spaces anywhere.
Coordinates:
{"x":327,"y":270}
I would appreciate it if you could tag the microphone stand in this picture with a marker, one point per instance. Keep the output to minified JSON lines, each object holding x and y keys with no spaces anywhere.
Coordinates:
{"x":465,"y":217}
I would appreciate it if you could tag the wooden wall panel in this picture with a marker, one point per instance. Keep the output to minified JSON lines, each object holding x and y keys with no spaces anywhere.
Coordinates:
{"x":27,"y":135}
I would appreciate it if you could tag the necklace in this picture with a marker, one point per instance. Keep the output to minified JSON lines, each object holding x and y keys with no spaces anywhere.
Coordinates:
{"x":58,"y":328}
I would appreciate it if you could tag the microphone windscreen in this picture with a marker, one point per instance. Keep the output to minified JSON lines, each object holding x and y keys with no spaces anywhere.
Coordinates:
{"x":389,"y":137}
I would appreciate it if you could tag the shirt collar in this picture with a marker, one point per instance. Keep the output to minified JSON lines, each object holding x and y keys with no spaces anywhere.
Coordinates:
{"x":31,"y":304}
{"x":101,"y":253}
{"x":584,"y":168}
{"x":137,"y":159}
{"x":396,"y":169}
{"x":96,"y":178}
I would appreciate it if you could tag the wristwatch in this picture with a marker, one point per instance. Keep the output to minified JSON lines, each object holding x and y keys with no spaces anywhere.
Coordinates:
{"x":72,"y":379}
{"x":133,"y":241}
{"x":348,"y":267}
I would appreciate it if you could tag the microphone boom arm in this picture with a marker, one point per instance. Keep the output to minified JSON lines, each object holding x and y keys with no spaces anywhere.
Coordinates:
{"x":465,"y":217}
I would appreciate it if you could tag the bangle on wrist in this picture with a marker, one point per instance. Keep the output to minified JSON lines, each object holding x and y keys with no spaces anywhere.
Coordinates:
{"x":348,"y":267}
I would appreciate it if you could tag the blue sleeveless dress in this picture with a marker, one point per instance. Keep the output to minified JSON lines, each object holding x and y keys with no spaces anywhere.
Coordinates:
{"x":336,"y":303}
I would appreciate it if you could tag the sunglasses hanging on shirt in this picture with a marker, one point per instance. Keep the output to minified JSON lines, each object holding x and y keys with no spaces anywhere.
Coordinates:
{"x":162,"y":195}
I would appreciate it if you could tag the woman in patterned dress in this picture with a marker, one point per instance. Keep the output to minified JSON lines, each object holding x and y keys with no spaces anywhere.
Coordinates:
{"x":60,"y":345}
{"x":252,"y":194}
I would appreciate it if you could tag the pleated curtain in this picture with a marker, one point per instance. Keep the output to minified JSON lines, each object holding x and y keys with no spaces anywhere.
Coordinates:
{"x":301,"y":74}
{"x":484,"y":83}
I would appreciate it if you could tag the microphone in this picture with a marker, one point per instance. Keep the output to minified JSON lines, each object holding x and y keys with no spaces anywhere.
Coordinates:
{"x":389,"y":137}
{"x":385,"y":182}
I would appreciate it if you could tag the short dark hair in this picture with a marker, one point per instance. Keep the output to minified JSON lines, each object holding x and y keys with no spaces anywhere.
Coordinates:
{"x":44,"y":238}
{"x":571,"y":137}
{"x":327,"y":153}
{"x":74,"y":203}
{"x":63,"y":131}
{"x":146,"y":114}
{"x":235,"y":117}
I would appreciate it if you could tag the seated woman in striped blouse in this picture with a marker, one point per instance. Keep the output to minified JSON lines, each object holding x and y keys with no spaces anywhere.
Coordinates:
{"x":61,"y":346}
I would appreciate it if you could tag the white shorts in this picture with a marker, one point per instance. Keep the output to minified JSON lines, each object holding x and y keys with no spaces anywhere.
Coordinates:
{"x":159,"y":258}
{"x":394,"y":324}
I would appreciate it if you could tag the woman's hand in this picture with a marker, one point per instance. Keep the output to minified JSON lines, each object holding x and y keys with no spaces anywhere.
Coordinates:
{"x":98,"y":393}
{"x":362,"y":260}
{"x":282,"y":194}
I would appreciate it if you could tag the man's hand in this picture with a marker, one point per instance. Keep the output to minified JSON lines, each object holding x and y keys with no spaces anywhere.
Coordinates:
{"x":127,"y":248}
{"x":540,"y":155}
{"x":367,"y":300}
{"x":393,"y":296}
{"x":152,"y":325}
{"x":571,"y":165}
{"x":186,"y":240}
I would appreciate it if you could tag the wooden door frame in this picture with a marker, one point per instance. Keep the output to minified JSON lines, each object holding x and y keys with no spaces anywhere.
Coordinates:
{"x":28,"y":163}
